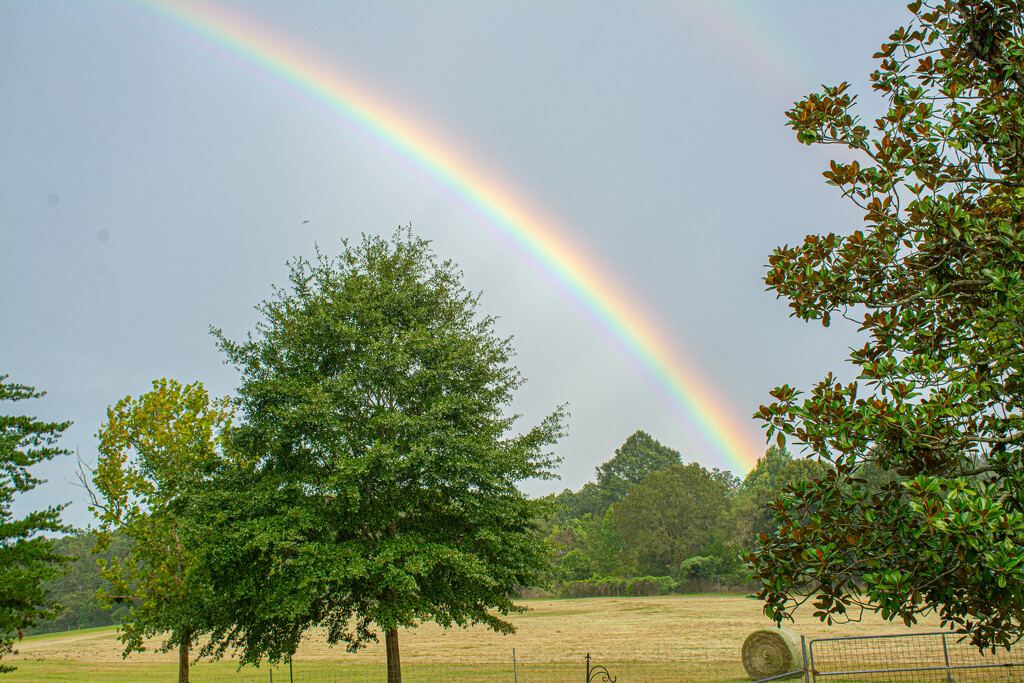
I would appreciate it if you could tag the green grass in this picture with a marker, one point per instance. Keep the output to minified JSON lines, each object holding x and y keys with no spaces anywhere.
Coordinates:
{"x":65,"y":634}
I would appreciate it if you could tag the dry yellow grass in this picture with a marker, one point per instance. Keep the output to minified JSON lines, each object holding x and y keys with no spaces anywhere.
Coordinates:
{"x":704,"y":630}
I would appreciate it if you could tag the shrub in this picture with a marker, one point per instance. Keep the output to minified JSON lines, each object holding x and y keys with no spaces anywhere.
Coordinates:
{"x":617,"y":587}
{"x":699,"y":567}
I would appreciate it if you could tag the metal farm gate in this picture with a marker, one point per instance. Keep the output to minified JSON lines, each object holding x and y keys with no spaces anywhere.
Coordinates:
{"x":934,"y":657}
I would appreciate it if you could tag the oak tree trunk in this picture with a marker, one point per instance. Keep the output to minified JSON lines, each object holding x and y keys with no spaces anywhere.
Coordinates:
{"x":394,"y":662}
{"x":183,"y":657}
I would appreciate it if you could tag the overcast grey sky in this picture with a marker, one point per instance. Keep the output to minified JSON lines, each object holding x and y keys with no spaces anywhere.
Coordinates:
{"x":153,"y":183}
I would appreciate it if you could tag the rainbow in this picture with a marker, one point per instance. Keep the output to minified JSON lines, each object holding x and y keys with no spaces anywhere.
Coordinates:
{"x":690,"y":394}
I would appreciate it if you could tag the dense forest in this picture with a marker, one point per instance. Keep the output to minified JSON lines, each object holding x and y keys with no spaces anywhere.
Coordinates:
{"x":75,"y":591}
{"x":647,"y":524}
{"x":650,"y":523}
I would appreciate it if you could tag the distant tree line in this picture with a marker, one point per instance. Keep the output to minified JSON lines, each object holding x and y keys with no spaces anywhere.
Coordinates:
{"x":75,"y":591}
{"x":652,"y":524}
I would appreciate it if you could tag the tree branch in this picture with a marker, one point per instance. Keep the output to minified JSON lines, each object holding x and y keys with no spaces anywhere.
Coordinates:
{"x":990,"y":181}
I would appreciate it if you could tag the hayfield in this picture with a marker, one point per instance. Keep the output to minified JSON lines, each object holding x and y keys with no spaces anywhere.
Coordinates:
{"x":665,"y":638}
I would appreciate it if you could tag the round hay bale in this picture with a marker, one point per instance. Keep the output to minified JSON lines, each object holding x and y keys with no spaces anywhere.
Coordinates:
{"x":769,"y":652}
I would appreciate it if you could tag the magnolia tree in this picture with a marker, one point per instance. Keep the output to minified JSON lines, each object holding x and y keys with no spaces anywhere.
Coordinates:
{"x":934,"y":279}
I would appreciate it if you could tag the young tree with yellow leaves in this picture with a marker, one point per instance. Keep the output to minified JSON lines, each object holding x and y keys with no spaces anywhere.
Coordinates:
{"x":150,"y":449}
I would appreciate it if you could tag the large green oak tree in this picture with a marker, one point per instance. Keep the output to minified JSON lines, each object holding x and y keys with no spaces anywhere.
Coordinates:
{"x":377,"y":486}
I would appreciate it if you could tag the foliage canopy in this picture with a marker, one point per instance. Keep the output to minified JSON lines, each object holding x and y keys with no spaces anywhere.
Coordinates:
{"x":672,"y":515}
{"x":774,"y":471}
{"x":639,"y":456}
{"x":27,"y":559}
{"x":377,"y":485}
{"x":150,"y":449}
{"x":934,"y":280}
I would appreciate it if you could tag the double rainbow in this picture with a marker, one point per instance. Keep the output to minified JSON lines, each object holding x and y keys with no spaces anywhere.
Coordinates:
{"x":690,"y":395}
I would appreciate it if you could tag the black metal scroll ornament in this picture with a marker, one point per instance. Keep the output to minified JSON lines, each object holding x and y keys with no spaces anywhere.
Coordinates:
{"x":593,"y":673}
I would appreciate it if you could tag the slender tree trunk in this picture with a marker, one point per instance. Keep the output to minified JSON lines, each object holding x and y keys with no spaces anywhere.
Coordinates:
{"x":391,"y":635}
{"x":394,"y":661}
{"x":186,"y":641}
